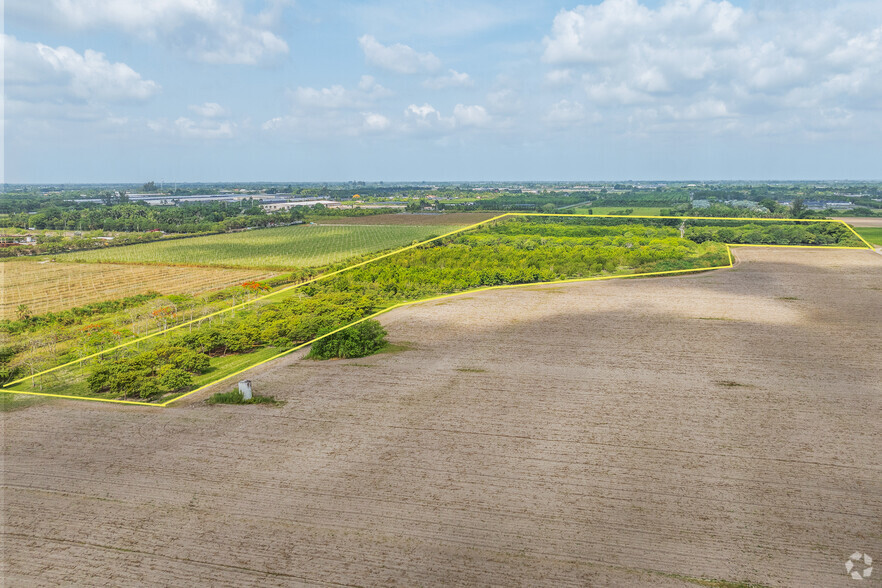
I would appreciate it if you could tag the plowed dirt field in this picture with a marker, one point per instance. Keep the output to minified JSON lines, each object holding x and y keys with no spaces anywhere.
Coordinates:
{"x":623,"y":433}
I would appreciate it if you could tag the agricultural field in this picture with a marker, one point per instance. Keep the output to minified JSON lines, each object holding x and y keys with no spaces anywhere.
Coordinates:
{"x":411,"y":219}
{"x":862,"y":221}
{"x":514,"y":251}
{"x":621,"y":433}
{"x":282,"y":248}
{"x":49,"y":287}
{"x":871,"y":234}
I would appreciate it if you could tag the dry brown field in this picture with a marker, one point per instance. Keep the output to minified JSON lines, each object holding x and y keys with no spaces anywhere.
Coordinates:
{"x":46,"y":287}
{"x":861,"y":221}
{"x":622,"y":433}
{"x":418,"y":219}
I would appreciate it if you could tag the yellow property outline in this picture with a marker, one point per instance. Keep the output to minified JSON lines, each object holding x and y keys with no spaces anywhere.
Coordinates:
{"x":401,"y":304}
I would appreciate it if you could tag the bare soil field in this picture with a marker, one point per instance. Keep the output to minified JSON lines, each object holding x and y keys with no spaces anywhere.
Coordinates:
{"x":622,"y":433}
{"x":861,"y":221}
{"x":46,"y":287}
{"x":413,"y":219}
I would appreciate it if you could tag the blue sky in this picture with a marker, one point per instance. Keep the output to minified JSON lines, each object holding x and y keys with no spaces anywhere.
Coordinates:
{"x":225,"y":90}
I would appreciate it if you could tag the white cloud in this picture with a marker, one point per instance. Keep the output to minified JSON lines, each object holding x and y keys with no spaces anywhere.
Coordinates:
{"x":446,"y":20}
{"x":375,"y":122}
{"x":334,"y":97}
{"x":426,"y":118}
{"x":471,"y":116}
{"x":598,"y":33}
{"x":607,"y":92}
{"x":209,"y":110}
{"x":703,"y":110}
{"x":339,"y":97}
{"x":565,"y":112}
{"x":213,"y":31}
{"x":424,"y":112}
{"x":334,"y":111}
{"x":204,"y":129}
{"x":693,"y":60}
{"x":453,"y":79}
{"x":559,"y":77}
{"x":371,"y":89}
{"x":188,"y":128}
{"x":397,"y":58}
{"x":35,"y":72}
{"x":504,"y":100}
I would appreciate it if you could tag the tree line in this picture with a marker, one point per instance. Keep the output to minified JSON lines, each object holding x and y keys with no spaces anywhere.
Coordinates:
{"x":194,"y":217}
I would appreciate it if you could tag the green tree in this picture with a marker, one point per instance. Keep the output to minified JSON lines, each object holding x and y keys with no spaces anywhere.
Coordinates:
{"x":771,"y":204}
{"x":363,"y":339}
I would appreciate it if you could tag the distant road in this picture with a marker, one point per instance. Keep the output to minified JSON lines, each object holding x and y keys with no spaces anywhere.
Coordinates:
{"x":861,"y":221}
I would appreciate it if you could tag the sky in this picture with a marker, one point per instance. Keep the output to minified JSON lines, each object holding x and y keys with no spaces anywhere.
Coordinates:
{"x":403,"y":90}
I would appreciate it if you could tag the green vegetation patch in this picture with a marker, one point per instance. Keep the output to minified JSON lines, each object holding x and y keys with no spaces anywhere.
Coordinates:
{"x":871,"y":234}
{"x":235,"y":397}
{"x":365,"y":338}
{"x":279,"y":248}
{"x":772,"y":233}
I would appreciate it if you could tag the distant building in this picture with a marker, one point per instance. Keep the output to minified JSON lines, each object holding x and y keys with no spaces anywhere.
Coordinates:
{"x":287,"y":205}
{"x":824,"y":205}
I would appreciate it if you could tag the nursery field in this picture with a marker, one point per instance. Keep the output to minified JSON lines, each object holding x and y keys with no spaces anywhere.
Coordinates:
{"x":282,"y":248}
{"x":620,"y":433}
{"x":49,"y":287}
{"x":412,"y":219}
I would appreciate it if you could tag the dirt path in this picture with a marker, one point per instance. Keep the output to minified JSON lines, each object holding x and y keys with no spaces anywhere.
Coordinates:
{"x":614,"y":433}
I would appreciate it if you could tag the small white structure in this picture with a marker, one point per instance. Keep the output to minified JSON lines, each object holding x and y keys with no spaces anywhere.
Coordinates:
{"x":245,"y":389}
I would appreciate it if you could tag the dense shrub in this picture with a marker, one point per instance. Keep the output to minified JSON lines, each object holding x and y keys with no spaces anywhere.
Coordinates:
{"x":365,"y":338}
{"x":235,"y":397}
{"x":774,"y":233}
{"x":159,"y":371}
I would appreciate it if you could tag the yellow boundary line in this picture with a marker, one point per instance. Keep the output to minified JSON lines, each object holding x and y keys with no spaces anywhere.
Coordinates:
{"x":402,"y":304}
